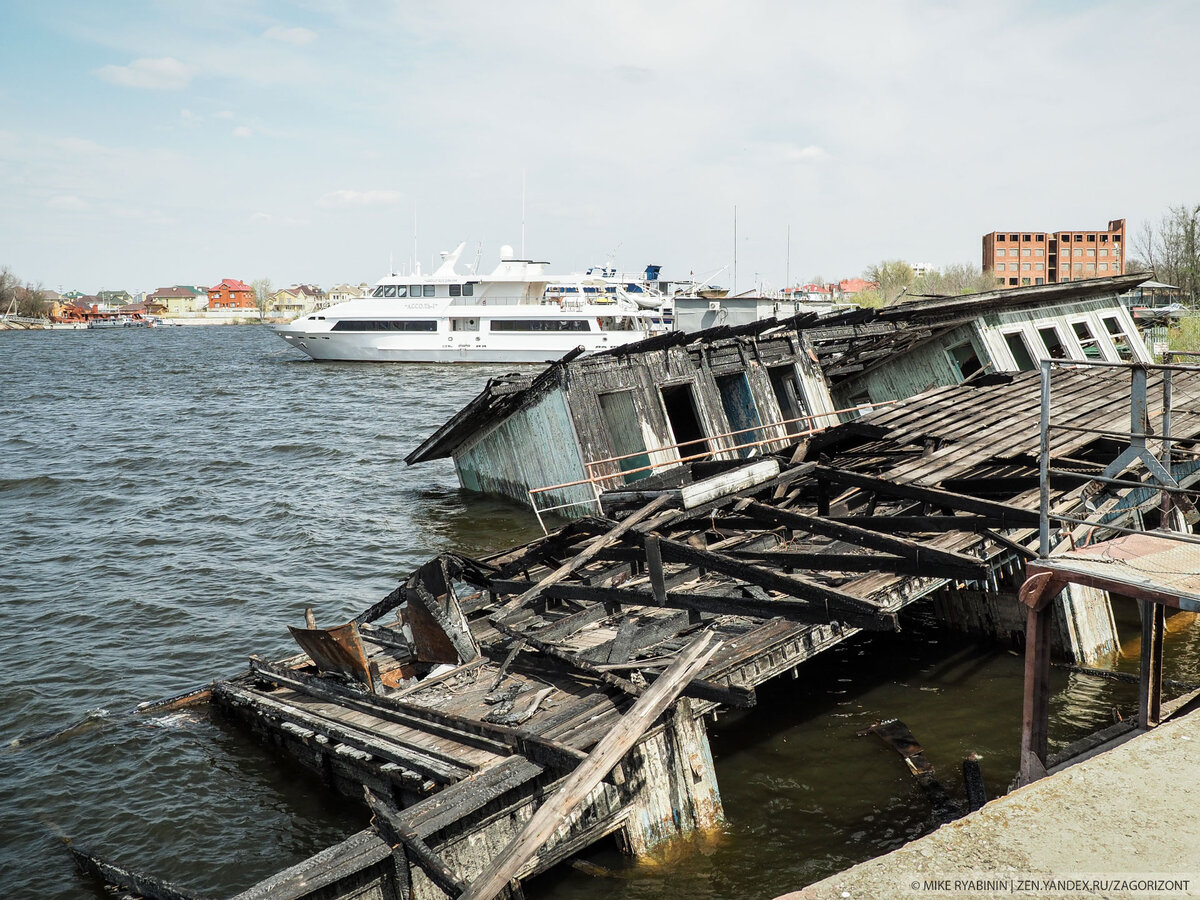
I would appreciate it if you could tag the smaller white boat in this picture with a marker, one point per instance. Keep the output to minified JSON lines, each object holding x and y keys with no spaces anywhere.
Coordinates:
{"x":118,"y":322}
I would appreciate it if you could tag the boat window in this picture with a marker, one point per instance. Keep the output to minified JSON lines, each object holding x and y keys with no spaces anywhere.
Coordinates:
{"x":428,"y":290}
{"x":414,"y":290}
{"x":389,"y":291}
{"x":456,"y":290}
{"x":468,"y":289}
{"x":378,"y":291}
{"x":401,"y":291}
{"x":385,"y":325}
{"x":541,"y":325}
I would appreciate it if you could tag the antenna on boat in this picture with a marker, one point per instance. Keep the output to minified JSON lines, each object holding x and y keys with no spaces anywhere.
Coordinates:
{"x":735,"y":250}
{"x":416,"y":256}
{"x":522,"y":214}
{"x":787,"y":278}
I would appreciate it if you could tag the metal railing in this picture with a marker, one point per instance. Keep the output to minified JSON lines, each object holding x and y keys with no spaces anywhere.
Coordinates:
{"x":597,"y":480}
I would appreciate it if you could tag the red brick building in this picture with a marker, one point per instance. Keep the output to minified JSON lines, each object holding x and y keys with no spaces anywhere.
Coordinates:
{"x":1017,"y":259}
{"x":231,"y":294}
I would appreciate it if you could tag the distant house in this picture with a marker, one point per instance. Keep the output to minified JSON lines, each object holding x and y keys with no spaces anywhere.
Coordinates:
{"x":850,"y":286}
{"x":343,"y":292}
{"x":115,"y":298}
{"x":231,"y":294}
{"x":181,"y":300}
{"x":297,"y":300}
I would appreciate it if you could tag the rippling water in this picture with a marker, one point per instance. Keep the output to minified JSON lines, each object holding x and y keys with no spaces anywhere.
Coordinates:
{"x":171,"y":499}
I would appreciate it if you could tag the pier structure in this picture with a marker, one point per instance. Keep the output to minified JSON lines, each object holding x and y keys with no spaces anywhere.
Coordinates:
{"x":480,"y":691}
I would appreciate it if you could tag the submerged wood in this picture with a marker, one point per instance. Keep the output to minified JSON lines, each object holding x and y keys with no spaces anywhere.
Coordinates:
{"x":126,"y":879}
{"x":599,"y":763}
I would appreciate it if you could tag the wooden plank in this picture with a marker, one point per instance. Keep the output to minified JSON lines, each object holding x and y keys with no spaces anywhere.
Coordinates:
{"x":604,"y":756}
{"x":921,"y":524}
{"x":1010,"y":516}
{"x":472,"y":732}
{"x":589,"y":552}
{"x":391,"y":827}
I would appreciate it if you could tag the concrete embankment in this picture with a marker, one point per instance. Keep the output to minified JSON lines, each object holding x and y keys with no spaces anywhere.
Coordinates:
{"x":1121,"y":824}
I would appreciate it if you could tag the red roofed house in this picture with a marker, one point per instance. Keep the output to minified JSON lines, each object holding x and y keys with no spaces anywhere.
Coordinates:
{"x":231,"y":294}
{"x":857,"y":285}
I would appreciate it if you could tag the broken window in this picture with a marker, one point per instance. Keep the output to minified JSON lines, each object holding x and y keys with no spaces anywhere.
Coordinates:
{"x":1119,"y":339}
{"x":740,"y":410}
{"x":787,"y":395}
{"x":1087,"y":340}
{"x":1020,"y":351}
{"x":1053,"y":342}
{"x":679,"y":401}
{"x":965,"y":359}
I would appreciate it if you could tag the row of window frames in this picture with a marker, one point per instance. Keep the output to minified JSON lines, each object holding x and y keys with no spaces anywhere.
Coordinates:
{"x":1013,"y":282}
{"x":1039,"y":267}
{"x":1062,"y":237}
{"x":1052,"y":341}
{"x":1025,"y":251}
{"x":389,"y":291}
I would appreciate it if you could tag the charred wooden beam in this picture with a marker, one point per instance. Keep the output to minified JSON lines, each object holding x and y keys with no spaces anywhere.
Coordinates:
{"x":922,"y":524}
{"x":389,"y":823}
{"x":900,"y":738}
{"x":126,"y":879}
{"x":862,"y":562}
{"x":786,"y":584}
{"x":864,"y":537}
{"x":731,"y":605}
{"x":1011,"y":516}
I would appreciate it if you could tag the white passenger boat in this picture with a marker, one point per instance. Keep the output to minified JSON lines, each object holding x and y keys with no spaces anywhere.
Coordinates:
{"x":507,"y":316}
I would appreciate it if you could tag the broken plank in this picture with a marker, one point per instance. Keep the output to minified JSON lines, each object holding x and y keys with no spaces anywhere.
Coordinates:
{"x":392,"y":828}
{"x":862,"y":562}
{"x":863,"y":537}
{"x":604,"y":756}
{"x":126,"y":879}
{"x":1011,"y":516}
{"x":763,"y":577}
{"x":585,"y":556}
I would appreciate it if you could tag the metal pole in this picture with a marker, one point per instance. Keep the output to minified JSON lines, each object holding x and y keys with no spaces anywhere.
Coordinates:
{"x":1165,"y":521}
{"x":1044,"y":478}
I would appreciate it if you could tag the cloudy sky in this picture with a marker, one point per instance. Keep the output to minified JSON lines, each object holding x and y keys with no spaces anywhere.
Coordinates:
{"x":149,"y":143}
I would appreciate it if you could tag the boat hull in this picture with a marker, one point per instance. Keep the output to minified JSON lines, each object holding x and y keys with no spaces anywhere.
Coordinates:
{"x":352,"y":347}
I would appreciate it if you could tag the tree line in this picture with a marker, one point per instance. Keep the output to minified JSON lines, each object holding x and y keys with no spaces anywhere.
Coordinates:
{"x":1171,"y":249}
{"x":24,"y":299}
{"x":898,"y":279}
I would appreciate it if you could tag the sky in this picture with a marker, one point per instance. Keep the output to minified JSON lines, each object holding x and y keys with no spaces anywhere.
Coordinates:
{"x":148,"y":143}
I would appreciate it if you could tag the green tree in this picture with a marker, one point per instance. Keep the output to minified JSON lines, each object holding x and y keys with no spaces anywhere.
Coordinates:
{"x":894,"y":277}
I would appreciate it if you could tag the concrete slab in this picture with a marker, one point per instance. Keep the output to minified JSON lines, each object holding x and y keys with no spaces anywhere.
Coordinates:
{"x":1122,"y":824}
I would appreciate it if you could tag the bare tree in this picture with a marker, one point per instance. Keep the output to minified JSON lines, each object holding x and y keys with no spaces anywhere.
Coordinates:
{"x":894,"y":277}
{"x":1172,"y":250}
{"x":262,"y":296}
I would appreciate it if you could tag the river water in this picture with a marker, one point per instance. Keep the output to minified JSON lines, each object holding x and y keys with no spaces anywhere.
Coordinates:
{"x":171,"y":499}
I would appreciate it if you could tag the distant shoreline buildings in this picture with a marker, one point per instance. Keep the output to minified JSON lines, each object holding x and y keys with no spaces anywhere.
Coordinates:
{"x":1025,"y":258}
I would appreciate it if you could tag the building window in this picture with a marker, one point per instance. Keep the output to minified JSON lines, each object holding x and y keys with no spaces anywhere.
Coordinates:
{"x":1104,"y":251}
{"x":1038,"y":267}
{"x":999,"y":237}
{"x":1078,"y":267}
{"x":1012,"y":237}
{"x":1039,"y":281}
{"x":1079,"y":251}
{"x":1039,"y":252}
{"x":1104,"y":238}
{"x":1012,"y":281}
{"x":1027,"y":238}
{"x":1091,"y":252}
{"x":1026,"y":252}
{"x":1040,"y":237}
{"x":1065,"y":238}
{"x":1025,"y":267}
{"x":999,"y":281}
{"x":1091,"y":238}
{"x":1024,"y":281}
{"x":1000,"y":267}
{"x":1103,"y":267}
{"x":1091,"y":267}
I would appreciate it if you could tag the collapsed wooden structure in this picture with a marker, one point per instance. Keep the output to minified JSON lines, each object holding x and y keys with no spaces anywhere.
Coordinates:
{"x":481,"y":690}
